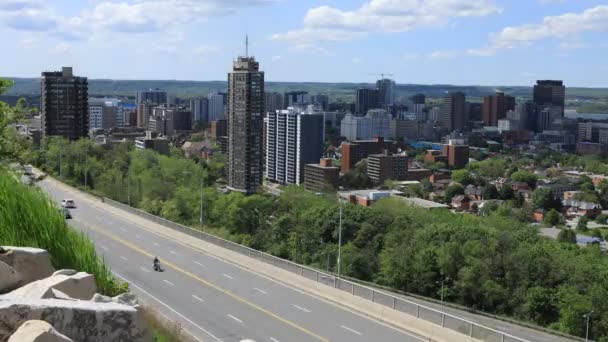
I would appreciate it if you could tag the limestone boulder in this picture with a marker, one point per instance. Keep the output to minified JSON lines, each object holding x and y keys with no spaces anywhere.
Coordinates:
{"x":9,"y":279}
{"x":38,"y":331}
{"x":77,"y":286}
{"x":79,"y":320}
{"x":29,"y":264}
{"x":65,"y":272}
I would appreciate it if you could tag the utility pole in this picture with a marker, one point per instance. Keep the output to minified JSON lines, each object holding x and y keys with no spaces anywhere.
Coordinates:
{"x":442,"y":282}
{"x":201,"y":215}
{"x":587,"y":316}
{"x":128,"y":191}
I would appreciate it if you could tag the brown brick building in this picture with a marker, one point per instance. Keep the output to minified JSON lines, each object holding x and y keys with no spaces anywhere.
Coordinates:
{"x":457,"y":154}
{"x":321,"y":177}
{"x":495,"y":107}
{"x":381,"y":167}
{"x":355,"y":151}
{"x":219,"y":129}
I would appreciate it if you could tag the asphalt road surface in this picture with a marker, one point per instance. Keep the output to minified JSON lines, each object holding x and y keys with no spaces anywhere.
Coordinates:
{"x":212,"y":299}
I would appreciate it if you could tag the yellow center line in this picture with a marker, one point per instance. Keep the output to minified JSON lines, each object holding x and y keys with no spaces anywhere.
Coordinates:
{"x":205,"y":282}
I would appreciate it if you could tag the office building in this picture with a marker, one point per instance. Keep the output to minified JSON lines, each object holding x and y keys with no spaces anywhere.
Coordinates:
{"x":545,"y":115}
{"x":219,"y":129}
{"x":383,"y":166}
{"x":377,"y":123}
{"x":170,"y":120}
{"x":404,"y":129}
{"x":354,"y":152}
{"x":200,"y":109}
{"x":366,"y":99}
{"x":128,"y":112}
{"x":550,"y":93}
{"x":418,"y":99}
{"x":386,"y":92}
{"x":64,"y":104}
{"x":322,"y":177}
{"x":294,"y":98}
{"x":293,"y":139}
{"x":593,"y":131}
{"x":457,"y":153}
{"x":103,"y":113}
{"x":507,"y":125}
{"x":155,"y":96}
{"x":144,"y":111}
{"x":245,"y":120}
{"x":452,"y":116}
{"x":495,"y":107}
{"x":321,"y":101}
{"x":273,"y":102}
{"x":158,"y":144}
{"x":217,"y":106}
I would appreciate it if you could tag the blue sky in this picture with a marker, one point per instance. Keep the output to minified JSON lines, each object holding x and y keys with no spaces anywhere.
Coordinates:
{"x":482,"y":42}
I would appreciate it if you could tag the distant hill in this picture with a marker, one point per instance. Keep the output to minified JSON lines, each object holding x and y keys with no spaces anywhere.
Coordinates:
{"x":343,"y":91}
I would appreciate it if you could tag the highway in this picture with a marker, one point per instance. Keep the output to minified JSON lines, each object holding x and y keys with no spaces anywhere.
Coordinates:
{"x":212,"y":299}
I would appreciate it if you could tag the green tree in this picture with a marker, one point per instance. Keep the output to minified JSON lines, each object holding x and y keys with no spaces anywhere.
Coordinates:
{"x":596,"y":233}
{"x":582,"y":223}
{"x":526,"y":177}
{"x":506,"y":193}
{"x":490,"y":192}
{"x":566,"y":236}
{"x":543,"y":199}
{"x":552,"y":218}
{"x":453,"y":190}
{"x":463,"y":176}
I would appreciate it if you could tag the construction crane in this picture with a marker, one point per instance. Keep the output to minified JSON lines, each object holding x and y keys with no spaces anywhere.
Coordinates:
{"x":381,"y":74}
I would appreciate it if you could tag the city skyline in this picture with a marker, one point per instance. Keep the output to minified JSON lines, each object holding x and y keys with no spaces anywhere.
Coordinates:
{"x":483,"y":42}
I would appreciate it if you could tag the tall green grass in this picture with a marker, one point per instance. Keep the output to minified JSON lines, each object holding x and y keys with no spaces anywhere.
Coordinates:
{"x":29,"y":218}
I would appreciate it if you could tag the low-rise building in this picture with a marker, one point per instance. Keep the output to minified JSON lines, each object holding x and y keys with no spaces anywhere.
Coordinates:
{"x":321,"y":177}
{"x":381,"y":167}
{"x":367,"y":197}
{"x":160,"y":144}
{"x":418,"y":174}
{"x":355,"y":151}
{"x":461,"y":202}
{"x":422,"y":203}
{"x":581,"y":208}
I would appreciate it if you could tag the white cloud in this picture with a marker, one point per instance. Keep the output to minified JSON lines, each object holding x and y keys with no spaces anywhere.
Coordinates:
{"x":565,"y":27}
{"x":277,"y":58}
{"x":205,"y":50}
{"x":410,"y":56}
{"x":356,"y":60}
{"x":330,"y":24}
{"x":61,"y":48}
{"x":444,"y":54}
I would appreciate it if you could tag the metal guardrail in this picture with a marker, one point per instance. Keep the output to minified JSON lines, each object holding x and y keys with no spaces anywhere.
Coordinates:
{"x":434,"y":316}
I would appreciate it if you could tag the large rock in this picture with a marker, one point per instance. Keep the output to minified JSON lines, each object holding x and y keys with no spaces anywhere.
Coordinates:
{"x":9,"y":279}
{"x":78,"y":320}
{"x":38,"y":331}
{"x":78,"y":286}
{"x":29,"y":264}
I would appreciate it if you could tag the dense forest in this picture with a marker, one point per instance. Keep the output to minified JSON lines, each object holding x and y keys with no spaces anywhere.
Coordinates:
{"x":494,"y":263}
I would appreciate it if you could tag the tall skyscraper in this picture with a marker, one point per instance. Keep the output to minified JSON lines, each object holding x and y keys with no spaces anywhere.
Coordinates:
{"x":321,"y":101}
{"x":200,"y":109}
{"x":273,"y":102}
{"x":65,"y":104}
{"x":292,"y":98}
{"x":293,"y":139}
{"x":453,"y":114}
{"x":155,"y":96}
{"x":386,"y":92}
{"x":549,"y":93}
{"x":245,"y":120}
{"x":217,"y":106}
{"x":495,"y":107}
{"x":366,"y":99}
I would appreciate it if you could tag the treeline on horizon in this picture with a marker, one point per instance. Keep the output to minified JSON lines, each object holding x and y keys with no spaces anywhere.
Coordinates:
{"x":338,"y":90}
{"x":495,"y":264}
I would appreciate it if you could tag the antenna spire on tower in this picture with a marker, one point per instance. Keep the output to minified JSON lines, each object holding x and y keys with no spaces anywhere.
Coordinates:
{"x":247,"y":46}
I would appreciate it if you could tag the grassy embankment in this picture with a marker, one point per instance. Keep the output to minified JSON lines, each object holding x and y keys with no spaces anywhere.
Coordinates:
{"x":29,"y":218}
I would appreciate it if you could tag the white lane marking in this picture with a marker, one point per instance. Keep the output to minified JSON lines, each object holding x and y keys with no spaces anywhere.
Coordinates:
{"x":234,"y":318}
{"x":145,"y":269}
{"x":351,"y":330}
{"x":104,"y":248}
{"x":227,"y":276}
{"x":168,"y":307}
{"x":300,"y":308}
{"x":168,"y":282}
{"x":260,"y":291}
{"x":274,"y":339}
{"x":156,"y":244}
{"x":198,"y":298}
{"x":123,"y":258}
{"x":198,"y":263}
{"x":173,"y":252}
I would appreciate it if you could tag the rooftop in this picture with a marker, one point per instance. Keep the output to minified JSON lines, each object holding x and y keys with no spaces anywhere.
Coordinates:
{"x":422,"y":203}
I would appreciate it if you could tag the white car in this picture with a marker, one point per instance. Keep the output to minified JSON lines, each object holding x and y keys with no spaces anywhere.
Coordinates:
{"x":68,"y":203}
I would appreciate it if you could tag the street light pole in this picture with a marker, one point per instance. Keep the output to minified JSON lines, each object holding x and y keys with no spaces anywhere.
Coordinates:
{"x":340,"y":241}
{"x":128,"y":191}
{"x":201,"y":215}
{"x":587,"y":316}
{"x":442,"y":282}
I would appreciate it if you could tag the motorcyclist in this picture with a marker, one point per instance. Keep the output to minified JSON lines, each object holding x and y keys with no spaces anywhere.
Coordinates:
{"x":156,"y":263}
